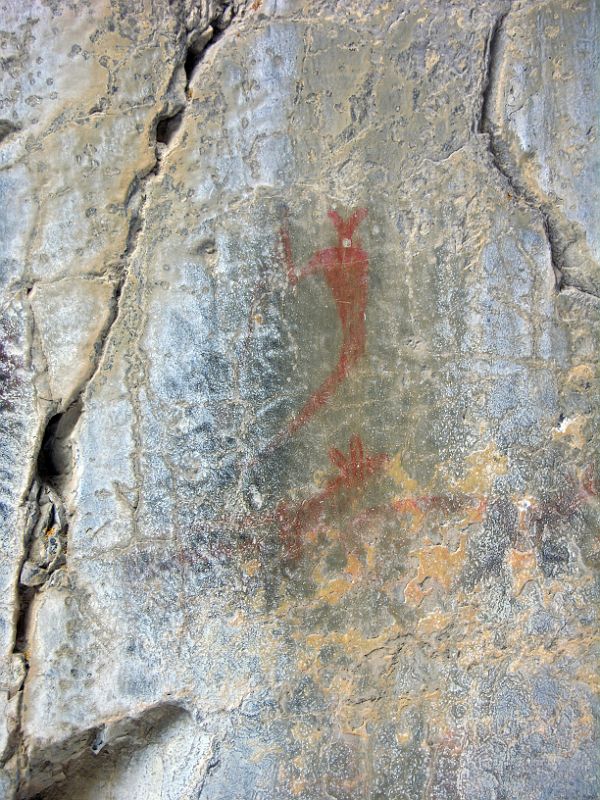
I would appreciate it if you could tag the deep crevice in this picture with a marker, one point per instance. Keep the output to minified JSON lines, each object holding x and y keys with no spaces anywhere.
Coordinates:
{"x":193,"y":57}
{"x":45,"y":543}
{"x":492,"y":49}
{"x":196,"y":51}
{"x":54,"y":457}
{"x":26,"y":595}
{"x":7,"y":128}
{"x":45,"y":540}
{"x":167,"y":127}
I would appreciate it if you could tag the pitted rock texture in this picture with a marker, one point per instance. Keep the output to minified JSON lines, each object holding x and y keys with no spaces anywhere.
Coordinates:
{"x":300,"y":396}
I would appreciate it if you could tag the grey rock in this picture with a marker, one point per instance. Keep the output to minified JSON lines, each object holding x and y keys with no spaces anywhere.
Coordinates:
{"x":300,"y":400}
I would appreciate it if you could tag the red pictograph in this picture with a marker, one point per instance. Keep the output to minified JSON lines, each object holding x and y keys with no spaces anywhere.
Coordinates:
{"x":354,"y":470}
{"x":345,"y":268}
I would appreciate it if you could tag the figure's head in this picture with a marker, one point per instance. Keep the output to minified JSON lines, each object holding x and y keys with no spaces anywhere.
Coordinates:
{"x":345,"y":227}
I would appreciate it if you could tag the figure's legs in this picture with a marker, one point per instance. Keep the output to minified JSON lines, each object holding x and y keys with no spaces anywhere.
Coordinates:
{"x":352,"y":350}
{"x":322,"y":395}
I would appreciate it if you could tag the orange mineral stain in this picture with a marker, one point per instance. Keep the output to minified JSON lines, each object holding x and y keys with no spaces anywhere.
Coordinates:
{"x":436,"y":562}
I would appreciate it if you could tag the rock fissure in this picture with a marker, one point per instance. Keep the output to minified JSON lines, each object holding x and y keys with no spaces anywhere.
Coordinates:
{"x":490,"y":59}
{"x":557,"y":236}
{"x":44,"y":545}
{"x":210,"y":767}
{"x":567,"y":285}
{"x":497,"y":148}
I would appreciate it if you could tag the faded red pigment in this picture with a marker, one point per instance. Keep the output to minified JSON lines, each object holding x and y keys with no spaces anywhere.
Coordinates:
{"x":345,"y":268}
{"x":354,"y":470}
{"x":446,"y":503}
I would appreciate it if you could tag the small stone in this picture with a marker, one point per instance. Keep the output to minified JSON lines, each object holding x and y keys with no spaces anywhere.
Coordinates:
{"x":32,"y":575}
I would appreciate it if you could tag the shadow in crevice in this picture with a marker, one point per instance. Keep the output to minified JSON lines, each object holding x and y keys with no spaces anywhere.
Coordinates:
{"x":167,"y":127}
{"x":73,"y":767}
{"x":55,"y":457}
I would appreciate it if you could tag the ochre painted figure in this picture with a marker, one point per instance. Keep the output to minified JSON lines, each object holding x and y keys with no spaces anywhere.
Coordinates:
{"x":345,"y":268}
{"x":354,"y":470}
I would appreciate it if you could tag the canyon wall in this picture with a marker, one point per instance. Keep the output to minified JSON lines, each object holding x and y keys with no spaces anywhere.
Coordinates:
{"x":300,"y":396}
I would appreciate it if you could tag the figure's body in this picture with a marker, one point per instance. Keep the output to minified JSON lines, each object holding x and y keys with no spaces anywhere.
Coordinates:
{"x":345,"y":268}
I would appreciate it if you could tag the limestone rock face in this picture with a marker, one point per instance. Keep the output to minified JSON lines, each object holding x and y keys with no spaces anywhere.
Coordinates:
{"x":299,"y":358}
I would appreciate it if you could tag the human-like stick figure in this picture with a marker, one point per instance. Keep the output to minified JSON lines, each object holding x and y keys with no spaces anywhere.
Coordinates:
{"x":345,"y":267}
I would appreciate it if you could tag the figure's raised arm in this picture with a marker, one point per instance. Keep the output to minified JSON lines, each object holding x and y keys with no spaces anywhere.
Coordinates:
{"x":315,"y":263}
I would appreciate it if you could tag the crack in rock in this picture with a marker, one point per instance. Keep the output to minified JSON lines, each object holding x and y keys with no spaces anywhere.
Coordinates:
{"x":487,"y":123}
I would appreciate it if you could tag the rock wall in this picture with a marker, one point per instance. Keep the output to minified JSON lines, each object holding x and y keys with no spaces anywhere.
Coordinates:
{"x":300,"y":393}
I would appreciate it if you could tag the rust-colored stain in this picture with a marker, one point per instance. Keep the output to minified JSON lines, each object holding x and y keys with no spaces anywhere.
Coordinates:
{"x":353,"y":641}
{"x":345,"y":268}
{"x":434,"y":622}
{"x":332,"y":591}
{"x":581,"y":376}
{"x":400,"y":476}
{"x":523,"y":564}
{"x":436,"y":562}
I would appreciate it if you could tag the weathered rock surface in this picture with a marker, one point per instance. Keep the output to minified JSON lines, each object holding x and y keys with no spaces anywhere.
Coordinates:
{"x":300,"y":396}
